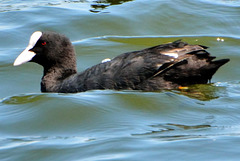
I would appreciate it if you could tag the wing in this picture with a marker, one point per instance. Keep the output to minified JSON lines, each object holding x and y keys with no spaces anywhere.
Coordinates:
{"x":151,"y":62}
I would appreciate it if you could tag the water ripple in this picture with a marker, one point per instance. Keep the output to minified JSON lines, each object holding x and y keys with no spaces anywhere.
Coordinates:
{"x":14,"y":142}
{"x":174,"y":132}
{"x":22,"y":99}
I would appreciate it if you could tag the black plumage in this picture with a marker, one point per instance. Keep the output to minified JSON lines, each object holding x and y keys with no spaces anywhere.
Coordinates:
{"x":166,"y":66}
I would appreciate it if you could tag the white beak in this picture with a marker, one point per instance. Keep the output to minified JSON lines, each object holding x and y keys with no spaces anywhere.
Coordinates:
{"x":24,"y":57}
{"x":27,"y":55}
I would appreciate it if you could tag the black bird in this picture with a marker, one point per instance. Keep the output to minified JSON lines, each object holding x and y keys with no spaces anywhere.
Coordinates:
{"x":167,"y":66}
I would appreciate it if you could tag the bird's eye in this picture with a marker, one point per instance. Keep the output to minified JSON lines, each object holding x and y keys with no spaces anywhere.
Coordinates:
{"x":44,"y":43}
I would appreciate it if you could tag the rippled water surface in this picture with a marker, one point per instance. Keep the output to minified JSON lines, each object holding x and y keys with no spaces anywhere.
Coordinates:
{"x":201,"y":123}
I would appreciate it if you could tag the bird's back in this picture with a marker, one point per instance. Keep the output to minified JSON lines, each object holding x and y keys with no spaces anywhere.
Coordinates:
{"x":161,"y":67}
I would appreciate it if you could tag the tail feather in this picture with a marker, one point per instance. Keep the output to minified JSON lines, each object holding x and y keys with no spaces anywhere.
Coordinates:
{"x":187,"y":74}
{"x":214,"y":66}
{"x":219,"y":63}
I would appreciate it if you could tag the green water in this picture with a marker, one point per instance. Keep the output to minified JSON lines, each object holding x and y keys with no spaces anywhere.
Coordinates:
{"x":201,"y":123}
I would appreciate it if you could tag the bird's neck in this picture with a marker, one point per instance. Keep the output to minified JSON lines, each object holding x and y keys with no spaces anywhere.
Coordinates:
{"x":54,"y":76}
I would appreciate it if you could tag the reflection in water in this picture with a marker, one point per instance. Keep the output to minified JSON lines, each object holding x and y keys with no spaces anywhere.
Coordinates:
{"x":100,"y":5}
{"x":22,"y":99}
{"x":203,"y":92}
{"x":170,"y":131}
{"x":97,"y":5}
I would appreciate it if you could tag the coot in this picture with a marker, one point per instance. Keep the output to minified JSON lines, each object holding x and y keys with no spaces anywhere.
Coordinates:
{"x":167,"y":66}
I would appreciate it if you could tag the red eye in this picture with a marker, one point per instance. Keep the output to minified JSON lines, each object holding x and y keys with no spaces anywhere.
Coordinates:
{"x":44,"y":43}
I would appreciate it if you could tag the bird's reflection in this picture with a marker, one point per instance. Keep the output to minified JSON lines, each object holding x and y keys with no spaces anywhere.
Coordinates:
{"x":99,"y":5}
{"x":203,"y":92}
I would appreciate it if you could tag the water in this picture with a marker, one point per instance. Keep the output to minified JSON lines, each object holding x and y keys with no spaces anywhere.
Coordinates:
{"x":201,"y":123}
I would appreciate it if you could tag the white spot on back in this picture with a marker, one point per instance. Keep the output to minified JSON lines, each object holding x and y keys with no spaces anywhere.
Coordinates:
{"x":106,"y":60}
{"x":175,"y":55}
{"x":158,"y":65}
